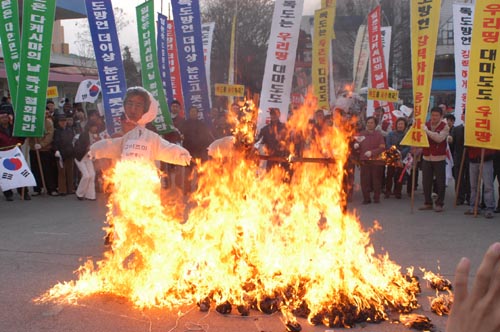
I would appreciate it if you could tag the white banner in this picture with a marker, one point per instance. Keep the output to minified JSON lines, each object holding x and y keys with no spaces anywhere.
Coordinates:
{"x":14,"y":170}
{"x":463,"y":16}
{"x":361,"y":55}
{"x":386,"y":44}
{"x":207,"y":30}
{"x":280,"y":60}
{"x":88,"y":91}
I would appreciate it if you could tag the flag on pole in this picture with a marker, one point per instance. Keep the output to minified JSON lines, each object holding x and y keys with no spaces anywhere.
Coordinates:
{"x":14,"y":170}
{"x":88,"y":91}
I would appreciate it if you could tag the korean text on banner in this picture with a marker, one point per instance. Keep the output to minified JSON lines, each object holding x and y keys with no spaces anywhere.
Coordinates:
{"x":173,"y":65}
{"x":11,"y":41}
{"x":482,"y":119}
{"x":378,"y":68}
{"x":361,"y":55}
{"x":109,"y":61}
{"x":162,"y":49}
{"x":462,"y":34}
{"x":424,"y":29}
{"x":38,"y":21}
{"x":151,"y":79}
{"x":207,"y":30}
{"x":14,"y":170}
{"x":187,"y":22}
{"x":280,"y":60}
{"x":323,"y":30}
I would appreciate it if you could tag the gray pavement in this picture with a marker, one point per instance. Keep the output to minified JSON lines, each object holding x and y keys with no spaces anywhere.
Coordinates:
{"x":44,"y":240}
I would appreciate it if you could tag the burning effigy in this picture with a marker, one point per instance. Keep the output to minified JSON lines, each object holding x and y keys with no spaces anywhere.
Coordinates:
{"x":250,"y":241}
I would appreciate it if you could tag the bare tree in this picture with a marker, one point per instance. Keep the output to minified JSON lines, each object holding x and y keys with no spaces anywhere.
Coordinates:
{"x":252,"y":34}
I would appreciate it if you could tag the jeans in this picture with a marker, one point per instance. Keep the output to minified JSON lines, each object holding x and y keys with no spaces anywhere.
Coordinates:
{"x":489,"y":191}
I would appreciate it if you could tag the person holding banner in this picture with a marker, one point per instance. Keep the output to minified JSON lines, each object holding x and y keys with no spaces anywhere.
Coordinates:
{"x":434,"y":160}
{"x":7,"y":141}
{"x":43,"y":161}
{"x":140,"y":143}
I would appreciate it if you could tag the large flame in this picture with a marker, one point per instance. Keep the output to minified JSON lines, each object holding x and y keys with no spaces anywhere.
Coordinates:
{"x":248,"y":239}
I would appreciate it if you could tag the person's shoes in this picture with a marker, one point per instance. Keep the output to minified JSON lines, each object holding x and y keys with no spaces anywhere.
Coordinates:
{"x":425,"y":207}
{"x":434,"y":195}
{"x":80,"y":198}
{"x":469,"y":212}
{"x":54,"y":193}
{"x":376,"y":201}
{"x":9,"y":198}
{"x":438,"y":208}
{"x":62,"y":194}
{"x":488,"y":214}
{"x":36,"y":193}
{"x":460,"y":203}
{"x":366,"y":202}
{"x":90,"y":199}
{"x":398,"y":196}
{"x":27,"y":197}
{"x":497,"y":210}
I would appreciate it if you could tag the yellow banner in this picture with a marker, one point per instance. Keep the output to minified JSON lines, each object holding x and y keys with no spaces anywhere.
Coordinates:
{"x":424,"y":29}
{"x":330,"y":4}
{"x":323,"y":29}
{"x":52,"y":92}
{"x":482,"y":116}
{"x":383,"y":95}
{"x":229,"y":90}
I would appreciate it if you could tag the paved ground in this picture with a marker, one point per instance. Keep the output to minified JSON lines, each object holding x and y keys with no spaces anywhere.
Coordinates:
{"x":43,"y":241}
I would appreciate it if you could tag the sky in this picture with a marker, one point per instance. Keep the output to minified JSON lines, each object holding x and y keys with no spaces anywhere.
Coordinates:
{"x":128,"y":36}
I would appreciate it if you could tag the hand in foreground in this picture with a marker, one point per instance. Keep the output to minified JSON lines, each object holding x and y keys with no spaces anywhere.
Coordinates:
{"x":368,"y":154}
{"x":37,"y":146}
{"x":185,"y":158}
{"x":57,"y":154}
{"x":479,"y":309}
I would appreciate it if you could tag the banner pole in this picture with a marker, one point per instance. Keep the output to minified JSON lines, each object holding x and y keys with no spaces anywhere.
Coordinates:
{"x":40,"y":167}
{"x":460,"y":171}
{"x":479,"y":180}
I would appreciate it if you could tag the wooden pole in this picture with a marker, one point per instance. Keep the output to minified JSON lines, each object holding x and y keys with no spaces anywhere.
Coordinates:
{"x":413,"y":176}
{"x":479,"y":180}
{"x":460,"y":171}
{"x":40,"y":167}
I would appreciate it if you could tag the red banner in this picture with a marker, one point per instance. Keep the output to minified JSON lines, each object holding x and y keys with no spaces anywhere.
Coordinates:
{"x":377,"y":62}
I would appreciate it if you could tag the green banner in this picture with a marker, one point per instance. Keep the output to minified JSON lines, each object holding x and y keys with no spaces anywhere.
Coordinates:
{"x":151,"y":79}
{"x":10,"y":39}
{"x":38,"y":21}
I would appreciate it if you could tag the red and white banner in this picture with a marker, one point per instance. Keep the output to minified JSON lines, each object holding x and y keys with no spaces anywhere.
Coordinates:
{"x":207,"y":30}
{"x":463,"y":16}
{"x":173,"y":63}
{"x":280,"y":60}
{"x":14,"y":170}
{"x":378,"y":62}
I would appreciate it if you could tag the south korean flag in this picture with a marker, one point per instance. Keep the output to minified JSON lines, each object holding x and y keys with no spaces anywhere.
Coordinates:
{"x":14,"y":171}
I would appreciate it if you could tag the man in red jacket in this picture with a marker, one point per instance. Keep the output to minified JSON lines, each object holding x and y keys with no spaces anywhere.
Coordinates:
{"x":434,"y":160}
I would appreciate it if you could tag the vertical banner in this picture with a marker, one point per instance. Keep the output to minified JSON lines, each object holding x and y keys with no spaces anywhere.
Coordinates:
{"x":361,"y":56}
{"x":280,"y":60}
{"x":424,"y":29}
{"x":232,"y":46}
{"x":173,"y":64}
{"x":162,"y":49}
{"x":38,"y":21}
{"x":323,"y":30}
{"x":187,"y":22}
{"x":108,"y":60}
{"x":462,"y":34}
{"x":11,"y":44}
{"x":151,"y":79}
{"x":207,"y":30}
{"x":378,"y":61}
{"x":482,"y":119}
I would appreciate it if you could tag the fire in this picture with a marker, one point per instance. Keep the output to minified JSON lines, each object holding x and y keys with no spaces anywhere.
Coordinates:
{"x":249,"y":240}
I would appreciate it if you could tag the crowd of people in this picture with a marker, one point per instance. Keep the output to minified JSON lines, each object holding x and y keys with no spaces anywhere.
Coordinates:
{"x":61,"y":165}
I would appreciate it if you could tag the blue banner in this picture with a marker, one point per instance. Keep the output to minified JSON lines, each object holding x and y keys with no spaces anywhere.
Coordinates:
{"x":161,"y":47}
{"x":109,"y":61}
{"x":187,"y":22}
